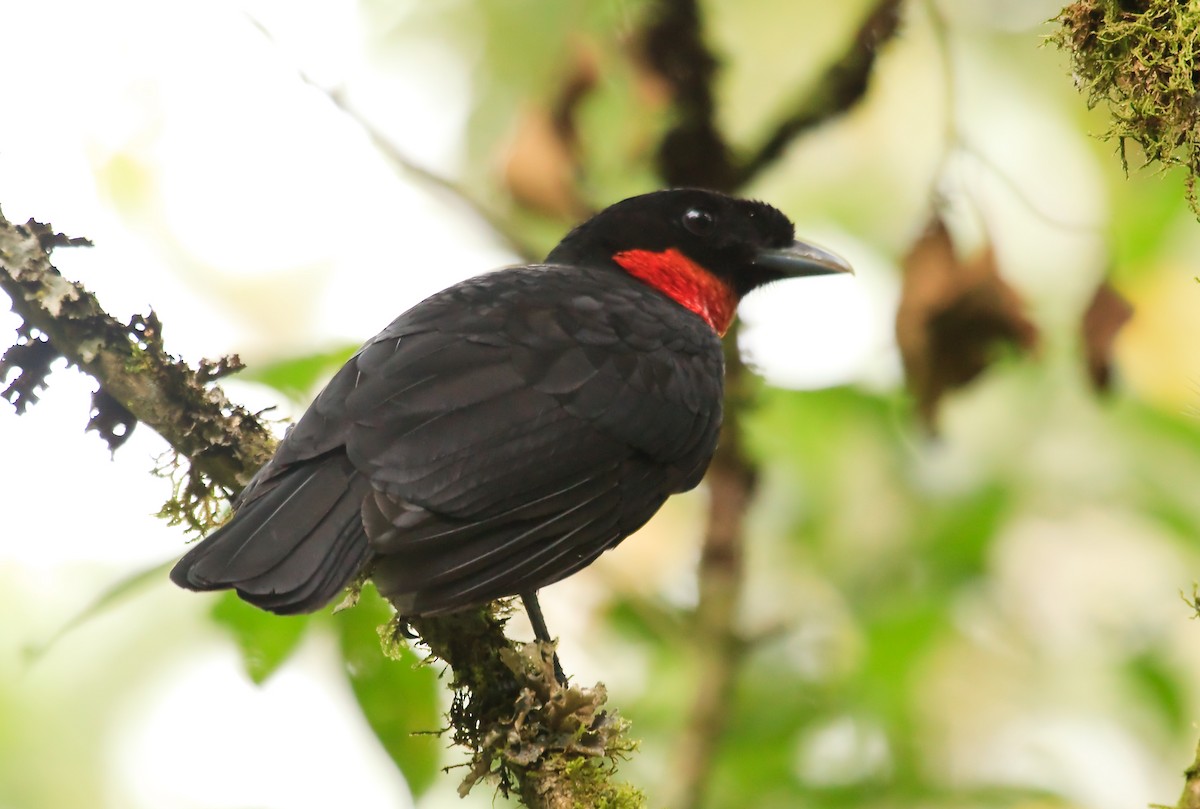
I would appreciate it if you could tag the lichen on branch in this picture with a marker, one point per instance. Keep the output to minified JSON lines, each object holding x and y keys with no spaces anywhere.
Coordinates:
{"x":222,"y":440}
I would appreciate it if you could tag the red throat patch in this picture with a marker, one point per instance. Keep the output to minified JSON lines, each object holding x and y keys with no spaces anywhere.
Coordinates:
{"x":685,"y":282}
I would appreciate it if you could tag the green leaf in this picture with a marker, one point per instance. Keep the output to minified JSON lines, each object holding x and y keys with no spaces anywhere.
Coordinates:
{"x":957,"y":535}
{"x":1161,"y":689}
{"x":266,"y":640}
{"x":398,"y":694}
{"x":1148,"y":205}
{"x":295,"y":377}
{"x":899,"y":634}
{"x":809,"y":428}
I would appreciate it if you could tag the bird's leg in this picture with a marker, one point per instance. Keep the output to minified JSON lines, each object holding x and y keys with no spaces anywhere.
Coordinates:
{"x":534,"y":610}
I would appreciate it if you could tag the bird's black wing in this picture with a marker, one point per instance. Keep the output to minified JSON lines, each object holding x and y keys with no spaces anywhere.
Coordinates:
{"x":522,"y":423}
{"x":493,"y":439}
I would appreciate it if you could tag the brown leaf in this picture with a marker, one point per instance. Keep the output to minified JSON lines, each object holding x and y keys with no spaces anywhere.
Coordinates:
{"x":1104,"y":318}
{"x":542,"y":164}
{"x":953,"y":315}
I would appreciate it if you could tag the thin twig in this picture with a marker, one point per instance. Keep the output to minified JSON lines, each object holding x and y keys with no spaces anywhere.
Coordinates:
{"x":407,"y":166}
{"x":841,"y":87}
{"x":956,"y":141}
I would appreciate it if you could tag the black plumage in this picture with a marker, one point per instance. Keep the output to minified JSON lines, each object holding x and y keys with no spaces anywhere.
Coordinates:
{"x":505,"y":432}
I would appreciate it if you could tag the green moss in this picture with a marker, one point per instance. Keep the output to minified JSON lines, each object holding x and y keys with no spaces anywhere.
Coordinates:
{"x":1138,"y":57}
{"x":589,"y":779}
{"x":196,"y":502}
{"x":586,"y":780}
{"x":1193,"y":602}
{"x":555,"y":745}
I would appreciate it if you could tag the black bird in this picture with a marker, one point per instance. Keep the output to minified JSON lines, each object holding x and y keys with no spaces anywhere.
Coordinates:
{"x":505,"y":432}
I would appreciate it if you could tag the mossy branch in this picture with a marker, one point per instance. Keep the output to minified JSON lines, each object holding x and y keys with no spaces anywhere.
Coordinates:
{"x":222,"y":440}
{"x":1190,"y":798}
{"x":554,"y":746}
{"x":1139,"y":59}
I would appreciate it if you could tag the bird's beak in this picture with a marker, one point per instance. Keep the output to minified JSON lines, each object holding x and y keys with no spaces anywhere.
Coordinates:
{"x":799,"y":260}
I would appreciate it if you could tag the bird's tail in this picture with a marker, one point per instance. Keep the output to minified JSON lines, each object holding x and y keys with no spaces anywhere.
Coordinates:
{"x":292,"y":548}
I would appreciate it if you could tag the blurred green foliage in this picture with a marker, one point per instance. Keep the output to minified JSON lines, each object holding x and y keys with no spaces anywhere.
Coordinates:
{"x":265,"y":640}
{"x":1138,"y":59}
{"x":398,"y":692}
{"x":296,"y":376}
{"x":400,"y":695}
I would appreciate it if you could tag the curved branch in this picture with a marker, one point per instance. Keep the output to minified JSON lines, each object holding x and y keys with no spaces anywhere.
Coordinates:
{"x":694,"y":151}
{"x":841,"y":87}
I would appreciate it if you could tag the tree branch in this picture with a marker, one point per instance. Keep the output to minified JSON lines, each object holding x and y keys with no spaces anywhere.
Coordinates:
{"x":1190,"y":799}
{"x":841,"y":87}
{"x":552,"y":744}
{"x":732,"y":481}
{"x":695,"y":153}
{"x":224,"y":441}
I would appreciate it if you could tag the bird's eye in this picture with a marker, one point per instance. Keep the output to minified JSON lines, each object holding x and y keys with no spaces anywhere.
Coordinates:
{"x":699,"y":222}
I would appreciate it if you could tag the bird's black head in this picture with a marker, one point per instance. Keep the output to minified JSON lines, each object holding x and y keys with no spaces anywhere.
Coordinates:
{"x":703,"y":249}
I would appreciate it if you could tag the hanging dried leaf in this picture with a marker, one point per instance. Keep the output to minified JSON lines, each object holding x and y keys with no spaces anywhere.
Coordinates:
{"x":542,"y":165}
{"x":1104,"y":318}
{"x":953,"y":315}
